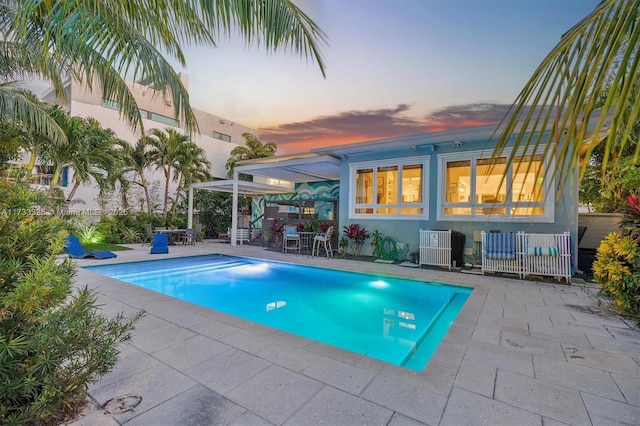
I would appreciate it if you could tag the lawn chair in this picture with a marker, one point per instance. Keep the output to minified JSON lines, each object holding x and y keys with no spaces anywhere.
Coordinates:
{"x":75,"y":250}
{"x":160,"y":244}
{"x":149,"y":231}
{"x":323,"y":240}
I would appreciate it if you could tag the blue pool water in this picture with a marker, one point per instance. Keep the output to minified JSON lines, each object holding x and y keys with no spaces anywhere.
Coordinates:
{"x":391,"y":319}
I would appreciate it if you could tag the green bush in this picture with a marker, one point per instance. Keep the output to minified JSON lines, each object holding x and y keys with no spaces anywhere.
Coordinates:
{"x":617,"y":271}
{"x":53,"y":340}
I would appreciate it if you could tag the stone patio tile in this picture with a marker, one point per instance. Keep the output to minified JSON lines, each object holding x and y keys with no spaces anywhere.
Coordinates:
{"x":400,"y":420}
{"x":332,"y":406}
{"x":611,"y":344}
{"x":537,"y":396}
{"x":338,"y":374}
{"x":334,"y":353}
{"x":597,"y":316}
{"x":624,"y":333}
{"x":179,"y":315}
{"x":228,"y":370}
{"x":275,"y":393}
{"x":500,"y":357}
{"x":246,"y":340}
{"x":214,"y":328}
{"x":487,"y":335}
{"x":533,"y":345}
{"x":441,"y":370}
{"x":518,"y":316}
{"x":197,"y":406}
{"x":287,"y":356}
{"x":563,"y":335}
{"x":250,"y":419}
{"x":131,"y":361}
{"x":148,"y":323}
{"x":468,"y":408}
{"x":160,"y":338}
{"x":458,"y":334}
{"x":155,"y":385}
{"x":582,"y":327}
{"x":514,"y":301}
{"x":603,"y":360}
{"x":191,"y":352}
{"x":476,"y":378}
{"x":580,"y":378}
{"x":405,"y":399}
{"x":546,"y":421}
{"x":519,"y":326}
{"x":606,"y":412}
{"x":629,"y":386}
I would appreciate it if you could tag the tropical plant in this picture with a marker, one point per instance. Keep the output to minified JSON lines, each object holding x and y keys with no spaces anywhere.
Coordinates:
{"x":376,"y":243}
{"x":89,"y":234}
{"x":617,"y":271}
{"x":214,"y":210}
{"x":600,"y":53}
{"x":167,"y":147}
{"x":101,"y":42}
{"x":630,"y":222}
{"x":253,"y":149}
{"x":54,"y":340}
{"x":193,"y":166}
{"x":343,"y":243}
{"x":357,"y":235}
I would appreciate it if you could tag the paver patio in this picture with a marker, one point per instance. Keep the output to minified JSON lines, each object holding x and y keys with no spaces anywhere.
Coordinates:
{"x":519,"y":353}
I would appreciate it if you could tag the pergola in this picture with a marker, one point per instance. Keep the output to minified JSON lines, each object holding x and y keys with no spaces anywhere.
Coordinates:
{"x":286,"y":170}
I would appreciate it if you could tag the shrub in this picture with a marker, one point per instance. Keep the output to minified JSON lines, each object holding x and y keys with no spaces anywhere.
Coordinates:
{"x":53,"y":340}
{"x":617,"y":271}
{"x":357,"y":235}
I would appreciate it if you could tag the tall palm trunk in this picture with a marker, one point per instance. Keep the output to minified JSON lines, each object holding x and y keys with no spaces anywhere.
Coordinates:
{"x":65,"y":206}
{"x":174,"y":209}
{"x":165,"y":208}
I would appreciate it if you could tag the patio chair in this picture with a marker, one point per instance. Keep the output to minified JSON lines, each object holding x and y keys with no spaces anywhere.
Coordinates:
{"x":149,"y":234}
{"x":188,"y":237}
{"x":290,"y":235}
{"x":323,"y":240}
{"x":160,"y":244}
{"x":75,"y":250}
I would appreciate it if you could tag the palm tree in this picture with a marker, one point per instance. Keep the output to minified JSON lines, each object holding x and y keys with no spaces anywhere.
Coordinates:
{"x":193,"y":166}
{"x":137,"y":159}
{"x":99,"y":42}
{"x":600,"y":53}
{"x":253,"y":149}
{"x":167,"y":148}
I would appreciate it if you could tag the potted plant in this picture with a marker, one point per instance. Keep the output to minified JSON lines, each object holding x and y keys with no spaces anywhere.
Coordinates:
{"x":342,"y":245}
{"x":376,"y":241}
{"x":357,"y":235}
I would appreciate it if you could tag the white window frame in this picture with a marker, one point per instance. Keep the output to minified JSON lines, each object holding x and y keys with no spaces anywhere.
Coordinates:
{"x":549,"y":191}
{"x":422,"y":160}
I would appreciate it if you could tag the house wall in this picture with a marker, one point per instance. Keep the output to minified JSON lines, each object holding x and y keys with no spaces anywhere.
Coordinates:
{"x":407,"y":231}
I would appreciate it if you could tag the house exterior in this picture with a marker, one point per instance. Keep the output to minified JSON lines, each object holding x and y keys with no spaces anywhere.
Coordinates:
{"x":218,"y":135}
{"x":444,"y":181}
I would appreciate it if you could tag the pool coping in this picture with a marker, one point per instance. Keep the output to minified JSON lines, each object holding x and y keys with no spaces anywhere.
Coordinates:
{"x":519,"y":352}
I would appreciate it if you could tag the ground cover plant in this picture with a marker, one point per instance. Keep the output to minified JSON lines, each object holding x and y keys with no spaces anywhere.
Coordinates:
{"x":54,"y":341}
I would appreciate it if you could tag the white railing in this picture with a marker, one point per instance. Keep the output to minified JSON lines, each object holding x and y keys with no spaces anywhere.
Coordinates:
{"x":527,"y":254}
{"x":435,"y":248}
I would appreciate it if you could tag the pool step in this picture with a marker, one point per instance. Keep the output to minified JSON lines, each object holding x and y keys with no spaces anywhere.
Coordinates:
{"x":173,"y":271}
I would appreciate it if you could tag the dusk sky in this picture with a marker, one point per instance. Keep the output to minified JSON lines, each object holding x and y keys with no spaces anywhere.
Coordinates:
{"x":394,"y":67}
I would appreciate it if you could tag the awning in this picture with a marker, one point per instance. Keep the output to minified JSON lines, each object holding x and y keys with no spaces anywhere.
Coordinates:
{"x":307,"y":167}
{"x":244,"y":188}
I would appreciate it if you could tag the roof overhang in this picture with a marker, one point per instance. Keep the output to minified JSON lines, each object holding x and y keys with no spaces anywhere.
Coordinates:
{"x":244,"y":188}
{"x":293,"y":168}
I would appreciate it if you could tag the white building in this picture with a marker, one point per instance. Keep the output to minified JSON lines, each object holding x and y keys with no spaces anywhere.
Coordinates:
{"x":217,"y":135}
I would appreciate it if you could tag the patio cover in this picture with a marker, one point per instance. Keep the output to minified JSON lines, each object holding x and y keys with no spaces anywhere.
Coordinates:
{"x":291,"y":168}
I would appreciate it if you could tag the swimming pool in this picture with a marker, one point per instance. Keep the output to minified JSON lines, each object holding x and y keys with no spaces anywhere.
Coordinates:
{"x":395,"y":320}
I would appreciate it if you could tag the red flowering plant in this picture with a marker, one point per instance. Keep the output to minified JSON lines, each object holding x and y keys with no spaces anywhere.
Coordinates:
{"x":630,"y":223}
{"x":356,"y":235}
{"x":276,"y":226}
{"x":324,"y":226}
{"x":300,"y":227}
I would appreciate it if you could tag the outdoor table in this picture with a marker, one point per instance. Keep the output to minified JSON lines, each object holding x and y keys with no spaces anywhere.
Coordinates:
{"x":306,"y":241}
{"x":171,"y":232}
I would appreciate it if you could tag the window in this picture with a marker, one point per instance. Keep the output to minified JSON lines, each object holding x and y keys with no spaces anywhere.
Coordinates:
{"x":163,"y":119}
{"x":474,"y":186}
{"x":107,"y":103}
{"x":222,"y":136}
{"x":390,"y":189}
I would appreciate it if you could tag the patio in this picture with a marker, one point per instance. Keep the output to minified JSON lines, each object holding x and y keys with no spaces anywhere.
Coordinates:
{"x":521,"y":352}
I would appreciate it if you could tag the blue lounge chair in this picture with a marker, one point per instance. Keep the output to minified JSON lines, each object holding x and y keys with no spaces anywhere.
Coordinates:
{"x":75,"y":250}
{"x":160,"y":244}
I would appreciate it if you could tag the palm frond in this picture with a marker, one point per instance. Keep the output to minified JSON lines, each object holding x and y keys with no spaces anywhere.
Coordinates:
{"x":557,"y":108}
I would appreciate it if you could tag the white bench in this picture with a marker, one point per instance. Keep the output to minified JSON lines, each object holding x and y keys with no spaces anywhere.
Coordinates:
{"x":532,"y":254}
{"x":243,"y":235}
